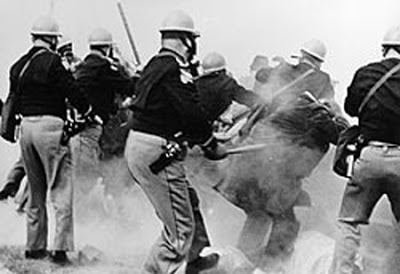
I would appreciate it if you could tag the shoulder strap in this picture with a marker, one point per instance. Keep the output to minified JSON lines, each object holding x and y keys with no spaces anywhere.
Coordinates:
{"x":378,"y":85}
{"x":25,"y":67}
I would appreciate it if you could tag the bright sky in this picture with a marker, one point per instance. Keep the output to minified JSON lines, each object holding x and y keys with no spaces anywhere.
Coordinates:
{"x":239,"y":29}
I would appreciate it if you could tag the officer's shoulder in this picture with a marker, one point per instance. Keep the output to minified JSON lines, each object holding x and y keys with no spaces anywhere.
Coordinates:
{"x":168,"y":62}
{"x":372,"y":66}
{"x":51,"y":54}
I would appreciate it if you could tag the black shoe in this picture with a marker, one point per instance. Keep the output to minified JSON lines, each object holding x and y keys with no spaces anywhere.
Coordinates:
{"x":60,"y":257}
{"x":9,"y":190}
{"x":3,"y":195}
{"x":36,"y":254}
{"x":202,"y":263}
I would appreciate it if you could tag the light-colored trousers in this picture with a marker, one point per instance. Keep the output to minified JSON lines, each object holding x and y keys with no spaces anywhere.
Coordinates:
{"x":48,"y":168}
{"x":85,"y":159}
{"x":376,"y":173}
{"x":175,"y":202}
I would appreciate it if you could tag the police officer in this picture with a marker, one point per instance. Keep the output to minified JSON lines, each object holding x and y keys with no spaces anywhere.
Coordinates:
{"x":167,"y":108}
{"x":377,"y":171}
{"x":65,"y":49}
{"x":43,"y":85}
{"x":17,"y":172}
{"x":259,"y":62}
{"x":101,"y":78}
{"x":295,"y":79}
{"x":217,"y":90}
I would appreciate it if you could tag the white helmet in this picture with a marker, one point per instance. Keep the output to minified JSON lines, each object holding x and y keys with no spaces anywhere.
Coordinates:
{"x":213,"y":62}
{"x":179,"y":21}
{"x":392,"y":37}
{"x":100,"y":37}
{"x":315,"y":48}
{"x":64,"y":41}
{"x":45,"y":26}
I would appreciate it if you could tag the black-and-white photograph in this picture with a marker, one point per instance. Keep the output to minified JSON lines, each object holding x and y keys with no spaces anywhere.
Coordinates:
{"x":200,"y":137}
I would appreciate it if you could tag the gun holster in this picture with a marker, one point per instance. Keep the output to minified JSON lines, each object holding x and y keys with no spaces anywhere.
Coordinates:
{"x":175,"y":150}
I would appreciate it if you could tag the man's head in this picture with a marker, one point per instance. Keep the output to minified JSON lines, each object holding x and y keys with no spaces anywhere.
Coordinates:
{"x":101,"y":40}
{"x":213,"y":62}
{"x":45,"y":31}
{"x":64,"y":48}
{"x":391,"y":41}
{"x":313,"y":51}
{"x":178,"y":33}
{"x":259,"y":62}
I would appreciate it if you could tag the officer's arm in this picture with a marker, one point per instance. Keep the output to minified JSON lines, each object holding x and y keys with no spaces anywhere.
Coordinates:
{"x":244,"y":96}
{"x":64,"y":82}
{"x":358,"y":88}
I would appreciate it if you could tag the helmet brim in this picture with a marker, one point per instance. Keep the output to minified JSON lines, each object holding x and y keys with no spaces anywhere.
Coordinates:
{"x":195,"y":33}
{"x":46,"y":33}
{"x":313,"y":54}
{"x":391,"y":43}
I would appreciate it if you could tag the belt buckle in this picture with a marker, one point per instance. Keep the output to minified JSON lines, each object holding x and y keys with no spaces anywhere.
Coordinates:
{"x":385,"y":148}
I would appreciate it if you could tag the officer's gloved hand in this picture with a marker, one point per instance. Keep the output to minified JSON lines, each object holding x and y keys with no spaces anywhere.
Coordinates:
{"x":213,"y":150}
{"x":88,"y":117}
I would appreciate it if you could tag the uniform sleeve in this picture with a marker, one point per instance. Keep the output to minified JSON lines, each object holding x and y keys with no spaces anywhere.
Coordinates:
{"x":64,"y":82}
{"x":184,"y":99}
{"x":242,"y":95}
{"x":357,"y":90}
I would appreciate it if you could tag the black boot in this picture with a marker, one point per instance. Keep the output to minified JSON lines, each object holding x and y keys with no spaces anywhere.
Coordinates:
{"x":60,"y":257}
{"x":202,"y":263}
{"x":36,"y":254}
{"x":9,"y":190}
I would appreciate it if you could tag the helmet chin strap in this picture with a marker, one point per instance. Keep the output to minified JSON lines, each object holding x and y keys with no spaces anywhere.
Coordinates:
{"x":52,"y":41}
{"x":190,"y":43}
{"x":386,"y":50}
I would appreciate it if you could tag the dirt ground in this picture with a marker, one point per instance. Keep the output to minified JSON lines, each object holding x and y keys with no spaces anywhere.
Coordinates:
{"x":117,"y":238}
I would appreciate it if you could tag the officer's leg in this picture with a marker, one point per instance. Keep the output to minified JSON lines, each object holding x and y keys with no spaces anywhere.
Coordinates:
{"x":255,"y":232}
{"x":57,"y":164}
{"x":86,"y":174}
{"x":168,"y":192}
{"x":200,"y":239}
{"x":361,"y":195}
{"x":197,"y":263}
{"x":392,"y":264}
{"x":36,"y":211}
{"x":13,"y":181}
{"x":61,"y":194}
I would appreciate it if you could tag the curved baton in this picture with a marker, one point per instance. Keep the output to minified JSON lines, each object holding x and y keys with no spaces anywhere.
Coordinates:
{"x":128,"y":33}
{"x":247,"y":148}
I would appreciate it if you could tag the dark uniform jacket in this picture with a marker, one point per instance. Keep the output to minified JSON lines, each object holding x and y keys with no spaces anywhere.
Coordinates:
{"x":167,"y":101}
{"x":100,"y":81}
{"x":45,"y":85}
{"x":380,"y":118}
{"x":217,"y":90}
